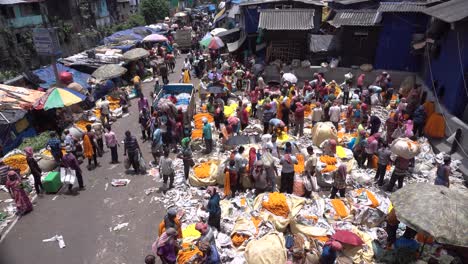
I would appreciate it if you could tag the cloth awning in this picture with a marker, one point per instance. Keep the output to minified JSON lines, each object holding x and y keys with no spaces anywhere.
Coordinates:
{"x":322,"y":43}
{"x":18,"y":97}
{"x":218,"y":16}
{"x":227,"y":32}
{"x":10,"y":116}
{"x":286,"y":19}
{"x":235,"y":45}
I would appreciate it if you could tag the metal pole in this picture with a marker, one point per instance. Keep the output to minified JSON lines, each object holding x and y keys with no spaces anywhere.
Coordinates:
{"x":53,"y":59}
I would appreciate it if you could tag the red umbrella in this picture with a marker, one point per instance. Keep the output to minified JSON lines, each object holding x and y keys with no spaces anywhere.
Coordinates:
{"x":347,"y":237}
{"x":215,"y":43}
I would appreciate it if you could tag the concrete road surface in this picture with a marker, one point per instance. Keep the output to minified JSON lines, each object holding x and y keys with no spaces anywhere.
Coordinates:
{"x":86,"y":220}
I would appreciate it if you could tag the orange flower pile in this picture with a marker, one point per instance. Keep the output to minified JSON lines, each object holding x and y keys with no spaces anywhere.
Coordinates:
{"x":81,"y":124}
{"x":277,"y":204}
{"x":202,"y":170}
{"x":329,"y":168}
{"x":238,"y":239}
{"x":340,"y":207}
{"x":17,"y":161}
{"x":299,"y":167}
{"x":198,"y":119}
{"x":47,"y":152}
{"x":197,"y":133}
{"x":328,"y":160}
{"x":114,"y":103}
{"x":371,"y":196}
{"x":187,"y":252}
{"x":242,"y":201}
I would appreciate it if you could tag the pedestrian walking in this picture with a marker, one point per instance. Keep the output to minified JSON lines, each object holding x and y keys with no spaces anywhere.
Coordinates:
{"x":339,"y":182}
{"x":166,"y":169}
{"x":35,"y":170}
{"x":186,"y":156}
{"x":98,"y":129}
{"x":207,"y":136}
{"x":287,"y":171}
{"x":103,"y":105}
{"x":383,"y":154}
{"x":137,"y":85}
{"x":18,"y":194}
{"x":213,"y":208}
{"x":69,"y":161}
{"x":133,"y":149}
{"x":299,"y":119}
{"x":90,"y":147}
{"x":399,"y":173}
{"x":157,"y":143}
{"x":144,"y":121}
{"x":112,"y":143}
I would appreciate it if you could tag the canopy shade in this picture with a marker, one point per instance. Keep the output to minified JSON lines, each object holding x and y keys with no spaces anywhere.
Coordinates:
{"x":109,"y":71}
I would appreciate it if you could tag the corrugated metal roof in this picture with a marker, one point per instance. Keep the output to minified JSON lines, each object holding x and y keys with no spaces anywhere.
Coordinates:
{"x":286,"y":19}
{"x":321,"y":43}
{"x":257,"y":2}
{"x":356,"y":18}
{"x":451,"y":11}
{"x":401,"y":7}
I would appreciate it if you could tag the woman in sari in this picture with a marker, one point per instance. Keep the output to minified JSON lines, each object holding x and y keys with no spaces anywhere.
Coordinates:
{"x":165,"y":246}
{"x":17,"y":192}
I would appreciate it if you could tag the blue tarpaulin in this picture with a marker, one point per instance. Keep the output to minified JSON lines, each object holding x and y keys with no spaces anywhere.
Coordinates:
{"x":47,"y":74}
{"x":135,"y":34}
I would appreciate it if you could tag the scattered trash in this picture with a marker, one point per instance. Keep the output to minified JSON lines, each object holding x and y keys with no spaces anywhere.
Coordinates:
{"x":55,"y":197}
{"x":120,"y":182}
{"x":3,"y":188}
{"x":8,"y":201}
{"x":120,"y":226}
{"x":107,"y":185}
{"x":150,"y":190}
{"x":56,"y":238}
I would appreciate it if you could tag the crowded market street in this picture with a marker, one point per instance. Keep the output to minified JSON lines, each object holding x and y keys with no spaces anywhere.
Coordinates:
{"x":86,"y":220}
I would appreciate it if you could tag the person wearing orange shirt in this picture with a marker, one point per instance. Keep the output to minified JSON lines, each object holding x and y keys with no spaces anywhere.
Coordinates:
{"x":171,"y":220}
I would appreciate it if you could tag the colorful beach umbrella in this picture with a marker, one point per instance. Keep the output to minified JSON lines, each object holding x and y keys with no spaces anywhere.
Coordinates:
{"x":205,"y":41}
{"x":60,"y":97}
{"x":155,"y":38}
{"x":216,"y":43}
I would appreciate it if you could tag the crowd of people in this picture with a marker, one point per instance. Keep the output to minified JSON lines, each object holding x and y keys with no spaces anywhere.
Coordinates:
{"x":282,"y":109}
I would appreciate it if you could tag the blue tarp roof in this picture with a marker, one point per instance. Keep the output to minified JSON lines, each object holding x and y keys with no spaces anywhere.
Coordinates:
{"x":136,"y":34}
{"x":47,"y":74}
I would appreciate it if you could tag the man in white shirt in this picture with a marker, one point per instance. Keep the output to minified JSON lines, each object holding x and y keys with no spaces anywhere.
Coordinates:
{"x":105,"y":110}
{"x":335,"y":114}
{"x":317,"y":114}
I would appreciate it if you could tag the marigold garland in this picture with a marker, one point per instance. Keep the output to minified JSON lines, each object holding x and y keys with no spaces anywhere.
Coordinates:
{"x":238,"y":239}
{"x":277,"y":204}
{"x":17,"y":161}
{"x":299,"y":167}
{"x":329,"y":168}
{"x":202,"y":170}
{"x":328,"y":160}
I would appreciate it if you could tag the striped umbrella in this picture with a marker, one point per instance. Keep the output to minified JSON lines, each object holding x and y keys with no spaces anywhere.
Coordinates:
{"x":60,"y":97}
{"x":216,"y":43}
{"x":206,"y":40}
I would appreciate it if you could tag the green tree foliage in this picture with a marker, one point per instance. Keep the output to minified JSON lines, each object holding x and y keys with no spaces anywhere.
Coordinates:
{"x":154,"y":10}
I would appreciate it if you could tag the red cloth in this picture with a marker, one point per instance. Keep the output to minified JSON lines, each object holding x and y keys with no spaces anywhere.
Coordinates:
{"x":244,"y":116}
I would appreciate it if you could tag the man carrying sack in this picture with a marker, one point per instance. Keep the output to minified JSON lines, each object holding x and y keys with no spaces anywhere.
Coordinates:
{"x":70,"y":170}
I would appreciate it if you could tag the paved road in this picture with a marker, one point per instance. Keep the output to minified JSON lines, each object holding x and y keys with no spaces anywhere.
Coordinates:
{"x":85,"y":220}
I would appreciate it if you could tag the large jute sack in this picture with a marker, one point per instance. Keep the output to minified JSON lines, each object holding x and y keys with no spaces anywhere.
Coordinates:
{"x":47,"y":164}
{"x":207,"y":181}
{"x":281,"y":223}
{"x":405,"y":148}
{"x":323,"y":131}
{"x":435,"y":126}
{"x":270,"y":249}
{"x":75,"y":132}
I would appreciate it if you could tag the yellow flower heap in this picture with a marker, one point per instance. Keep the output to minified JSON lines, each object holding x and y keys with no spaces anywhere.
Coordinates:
{"x":277,"y":204}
